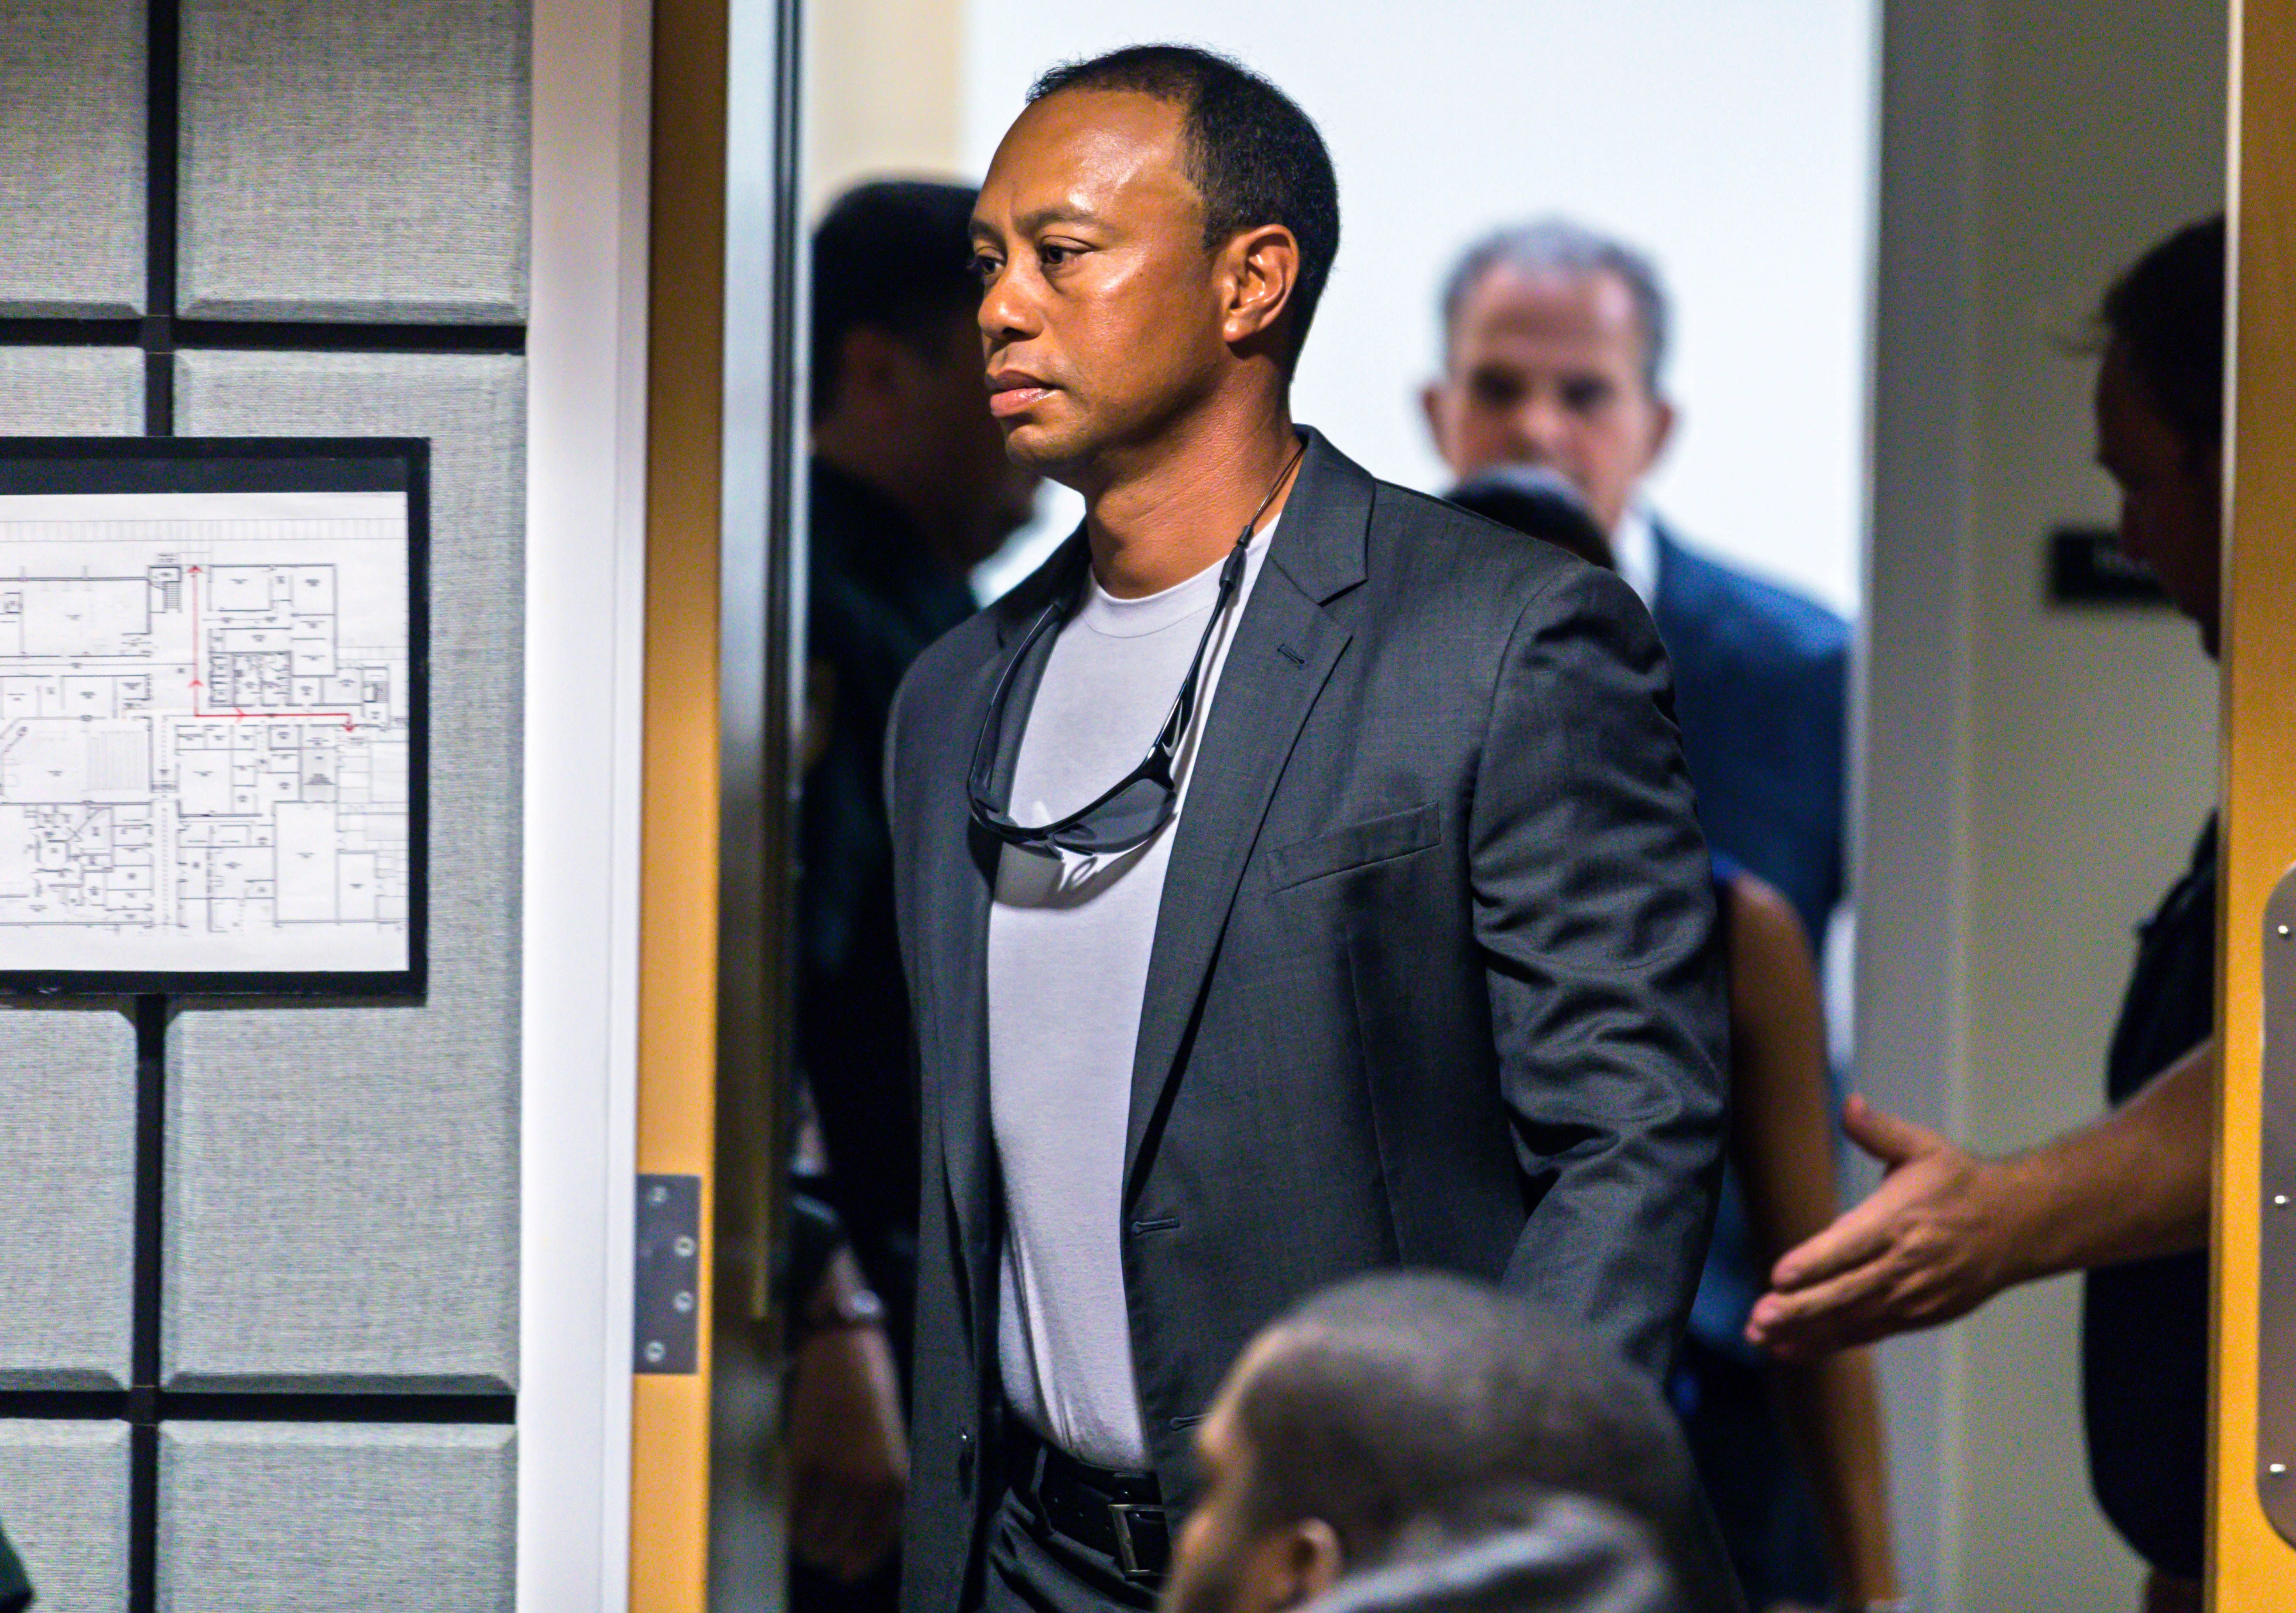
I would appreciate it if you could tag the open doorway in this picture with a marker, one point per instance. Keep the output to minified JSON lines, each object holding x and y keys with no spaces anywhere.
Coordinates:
{"x":1830,"y":370}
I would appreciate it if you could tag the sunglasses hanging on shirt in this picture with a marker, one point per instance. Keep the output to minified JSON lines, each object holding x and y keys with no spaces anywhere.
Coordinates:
{"x":1129,"y":813}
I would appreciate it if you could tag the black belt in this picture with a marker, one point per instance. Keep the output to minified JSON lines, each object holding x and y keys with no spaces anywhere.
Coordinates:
{"x":1118,"y":1515}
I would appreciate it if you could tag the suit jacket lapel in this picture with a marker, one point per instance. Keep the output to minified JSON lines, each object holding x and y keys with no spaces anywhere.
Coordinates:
{"x":1283,"y":653}
{"x":968,"y":880}
{"x":962,"y":1065}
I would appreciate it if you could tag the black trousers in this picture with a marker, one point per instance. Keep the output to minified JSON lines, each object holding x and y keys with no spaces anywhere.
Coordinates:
{"x":1031,"y":1571}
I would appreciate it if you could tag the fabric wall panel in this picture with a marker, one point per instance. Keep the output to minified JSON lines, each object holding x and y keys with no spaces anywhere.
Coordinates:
{"x":67,"y":1198}
{"x":287,"y":1518}
{"x":69,"y":391}
{"x":63,"y":1499}
{"x":71,"y":157}
{"x":67,"y":1075}
{"x":342,"y":1182}
{"x":343,"y":160}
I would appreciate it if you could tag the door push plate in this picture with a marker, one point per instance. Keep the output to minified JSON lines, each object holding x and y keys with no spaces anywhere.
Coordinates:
{"x":2275,"y":1399}
{"x":667,"y":1295}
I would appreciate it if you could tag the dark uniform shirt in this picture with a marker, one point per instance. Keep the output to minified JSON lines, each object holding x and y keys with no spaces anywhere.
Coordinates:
{"x":877,"y":600}
{"x":2144,"y":1327}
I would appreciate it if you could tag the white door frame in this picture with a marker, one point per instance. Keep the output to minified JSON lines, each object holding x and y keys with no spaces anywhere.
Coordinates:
{"x":585,"y":662}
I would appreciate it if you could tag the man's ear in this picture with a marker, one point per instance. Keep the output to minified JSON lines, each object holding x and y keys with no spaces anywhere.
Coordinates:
{"x":1262,"y":273}
{"x":1430,"y":403}
{"x":1662,"y":419}
{"x":1293,"y":1566}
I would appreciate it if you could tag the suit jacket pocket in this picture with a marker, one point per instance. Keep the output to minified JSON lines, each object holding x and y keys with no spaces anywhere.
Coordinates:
{"x":1375,"y":839}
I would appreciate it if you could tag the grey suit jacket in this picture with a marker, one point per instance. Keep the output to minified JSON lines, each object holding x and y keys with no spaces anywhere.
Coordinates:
{"x":1434,"y":981}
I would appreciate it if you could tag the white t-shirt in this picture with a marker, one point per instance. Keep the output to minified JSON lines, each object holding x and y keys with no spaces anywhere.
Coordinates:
{"x":1634,"y":548}
{"x":1068,"y":941}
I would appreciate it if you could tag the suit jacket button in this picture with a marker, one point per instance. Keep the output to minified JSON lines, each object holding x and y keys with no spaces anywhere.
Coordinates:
{"x":964,"y":1461}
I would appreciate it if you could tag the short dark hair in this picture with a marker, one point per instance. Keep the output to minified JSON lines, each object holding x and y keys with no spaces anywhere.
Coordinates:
{"x":1250,"y":152}
{"x":1416,"y":1399}
{"x":894,"y":255}
{"x":1560,"y":245}
{"x":2167,"y":311}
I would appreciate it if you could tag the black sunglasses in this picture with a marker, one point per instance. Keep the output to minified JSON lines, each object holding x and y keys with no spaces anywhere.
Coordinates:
{"x":1129,"y":813}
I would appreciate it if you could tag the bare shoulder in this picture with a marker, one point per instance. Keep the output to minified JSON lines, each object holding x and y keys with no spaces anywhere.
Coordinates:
{"x":1760,"y":911}
{"x":1769,"y":952}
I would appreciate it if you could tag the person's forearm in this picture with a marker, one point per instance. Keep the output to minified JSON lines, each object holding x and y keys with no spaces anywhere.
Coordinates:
{"x":1834,"y":1410}
{"x":2128,"y":1187}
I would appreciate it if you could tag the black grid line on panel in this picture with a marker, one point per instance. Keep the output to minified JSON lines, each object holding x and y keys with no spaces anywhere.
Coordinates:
{"x":158,"y":335}
{"x":148,"y":1408}
{"x":163,"y":58}
{"x":162,"y":336}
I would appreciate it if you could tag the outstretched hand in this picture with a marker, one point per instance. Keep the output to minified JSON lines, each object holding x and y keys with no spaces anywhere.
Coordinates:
{"x":1931,"y":1244}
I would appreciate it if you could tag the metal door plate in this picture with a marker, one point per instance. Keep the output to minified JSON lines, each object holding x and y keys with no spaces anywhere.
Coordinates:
{"x":668,"y":1308}
{"x":2275,"y":1407}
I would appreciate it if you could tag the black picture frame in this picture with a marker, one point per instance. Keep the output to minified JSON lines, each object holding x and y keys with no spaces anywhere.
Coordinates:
{"x":290,"y":464}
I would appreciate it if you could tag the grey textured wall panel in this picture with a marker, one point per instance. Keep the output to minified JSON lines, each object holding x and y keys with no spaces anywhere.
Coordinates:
{"x":344,"y":159}
{"x":67,"y":1198}
{"x":328,"y":1518}
{"x":63,"y":1499}
{"x":71,"y":157}
{"x":70,"y":391}
{"x":67,"y":1075}
{"x":342,"y":1182}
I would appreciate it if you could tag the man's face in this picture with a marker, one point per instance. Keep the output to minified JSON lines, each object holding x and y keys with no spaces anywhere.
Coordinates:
{"x":1100,"y":315}
{"x":1225,"y":1561}
{"x":2169,"y":493}
{"x":1207,"y":1557}
{"x":1546,"y":367}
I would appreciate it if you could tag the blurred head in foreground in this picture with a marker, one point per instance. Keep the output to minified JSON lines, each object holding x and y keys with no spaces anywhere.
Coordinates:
{"x":1407,"y":1408}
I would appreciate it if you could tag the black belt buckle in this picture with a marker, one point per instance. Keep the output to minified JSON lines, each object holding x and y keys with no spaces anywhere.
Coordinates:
{"x":1143,"y":1563}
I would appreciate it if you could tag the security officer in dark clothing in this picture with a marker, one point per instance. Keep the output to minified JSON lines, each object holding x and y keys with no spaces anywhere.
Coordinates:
{"x":910,"y":489}
{"x":2126,"y":1198}
{"x":876,"y":601}
{"x":2144,"y":1325}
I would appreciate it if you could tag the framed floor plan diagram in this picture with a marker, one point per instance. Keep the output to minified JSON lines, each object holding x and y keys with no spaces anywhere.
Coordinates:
{"x":213,"y":715}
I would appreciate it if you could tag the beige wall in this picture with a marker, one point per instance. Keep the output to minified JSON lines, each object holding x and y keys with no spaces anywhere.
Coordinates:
{"x":2070,"y":756}
{"x":883,"y":81}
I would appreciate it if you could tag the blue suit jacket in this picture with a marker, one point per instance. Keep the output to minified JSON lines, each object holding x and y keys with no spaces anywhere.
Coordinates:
{"x":1761,"y":680}
{"x":1761,"y":690}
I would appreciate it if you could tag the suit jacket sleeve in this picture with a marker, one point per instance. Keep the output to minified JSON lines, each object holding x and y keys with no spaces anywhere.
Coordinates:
{"x":1594,"y":909}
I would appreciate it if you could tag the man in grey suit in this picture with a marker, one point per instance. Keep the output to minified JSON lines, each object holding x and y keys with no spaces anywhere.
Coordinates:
{"x":1296,"y":876}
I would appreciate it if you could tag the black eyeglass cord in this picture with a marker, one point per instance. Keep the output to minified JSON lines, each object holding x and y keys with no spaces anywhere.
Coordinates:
{"x":1109,"y":823}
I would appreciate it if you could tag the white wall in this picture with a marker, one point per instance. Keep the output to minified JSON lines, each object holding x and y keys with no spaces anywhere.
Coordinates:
{"x":1732,"y":142}
{"x":880,"y":92}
